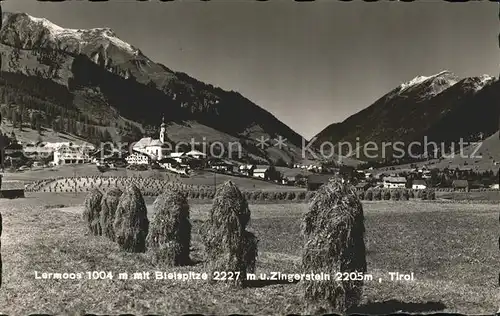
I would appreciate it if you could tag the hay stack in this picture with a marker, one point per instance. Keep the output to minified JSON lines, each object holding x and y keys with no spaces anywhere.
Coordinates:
{"x":229,"y":247}
{"x":1,"y":266}
{"x":169,"y":237}
{"x":131,"y":223}
{"x":109,"y":204}
{"x":333,"y":229}
{"x":92,"y":211}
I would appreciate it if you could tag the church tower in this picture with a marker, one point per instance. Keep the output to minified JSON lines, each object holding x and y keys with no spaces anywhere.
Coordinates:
{"x":162,"y":130}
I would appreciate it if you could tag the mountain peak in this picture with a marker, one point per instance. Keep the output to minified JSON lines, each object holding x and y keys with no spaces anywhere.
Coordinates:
{"x":21,"y":25}
{"x":428,"y":85}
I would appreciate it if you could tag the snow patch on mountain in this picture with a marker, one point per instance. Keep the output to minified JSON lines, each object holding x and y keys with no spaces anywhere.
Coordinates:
{"x":421,"y":79}
{"x":483,"y":81}
{"x":83,"y":35}
{"x":429,"y":85}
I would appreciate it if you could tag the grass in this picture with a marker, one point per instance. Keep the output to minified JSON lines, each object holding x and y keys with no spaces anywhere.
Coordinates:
{"x":470,"y":196}
{"x":450,"y":247}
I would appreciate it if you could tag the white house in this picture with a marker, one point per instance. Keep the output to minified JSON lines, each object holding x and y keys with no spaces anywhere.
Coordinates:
{"x":261,"y":172}
{"x":71,"y":155}
{"x":419,"y":185}
{"x":154,"y":148}
{"x":137,"y":159}
{"x":177,"y":156}
{"x":394,"y":182}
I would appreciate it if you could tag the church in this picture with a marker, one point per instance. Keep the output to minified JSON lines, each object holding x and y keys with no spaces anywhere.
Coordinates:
{"x":156,"y":149}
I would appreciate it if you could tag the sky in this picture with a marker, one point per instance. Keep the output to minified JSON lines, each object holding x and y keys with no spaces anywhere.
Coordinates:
{"x":309,"y":64}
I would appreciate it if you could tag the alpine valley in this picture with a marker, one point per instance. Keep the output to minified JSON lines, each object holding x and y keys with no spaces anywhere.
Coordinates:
{"x":89,"y":84}
{"x":441,"y":108}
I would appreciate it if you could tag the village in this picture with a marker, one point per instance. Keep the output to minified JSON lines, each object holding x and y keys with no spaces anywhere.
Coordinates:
{"x":149,"y":153}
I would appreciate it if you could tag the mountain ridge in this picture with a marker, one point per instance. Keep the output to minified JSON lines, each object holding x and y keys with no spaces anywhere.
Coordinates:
{"x":442,"y":107}
{"x":96,"y":63}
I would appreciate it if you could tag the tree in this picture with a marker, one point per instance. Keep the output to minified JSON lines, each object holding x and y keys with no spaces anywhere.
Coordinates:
{"x":14,"y":118}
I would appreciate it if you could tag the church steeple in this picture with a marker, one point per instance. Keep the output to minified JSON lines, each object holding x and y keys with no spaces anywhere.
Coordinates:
{"x":162,"y":129}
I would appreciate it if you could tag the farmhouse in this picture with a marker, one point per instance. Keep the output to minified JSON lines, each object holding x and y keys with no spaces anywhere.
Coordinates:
{"x":246,"y":169}
{"x":168,"y":163}
{"x":419,"y":185}
{"x":180,"y":157}
{"x":314,"y":181}
{"x":261,"y":172}
{"x":460,"y":185}
{"x":223,"y":165}
{"x":154,"y":148}
{"x":394,"y":182}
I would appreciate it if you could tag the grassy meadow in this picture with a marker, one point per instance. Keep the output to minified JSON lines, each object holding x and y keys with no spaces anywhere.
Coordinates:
{"x":450,"y":247}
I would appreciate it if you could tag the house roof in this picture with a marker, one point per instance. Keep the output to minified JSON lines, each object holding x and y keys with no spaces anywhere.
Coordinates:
{"x":143,"y":142}
{"x":395,"y":179}
{"x":155,"y":142}
{"x":260,"y":170}
{"x":148,"y":142}
{"x":319,"y":178}
{"x":176,"y":154}
{"x":419,"y":182}
{"x":195,"y":153}
{"x":460,"y":183}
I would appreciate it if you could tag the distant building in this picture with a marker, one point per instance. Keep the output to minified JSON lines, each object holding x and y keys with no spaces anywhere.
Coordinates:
{"x":180,"y":157}
{"x":223,"y":165}
{"x":261,"y":172}
{"x":247,"y":169}
{"x":196,"y":154}
{"x":73,"y":154}
{"x":394,"y":182}
{"x":362,"y":186}
{"x":155,"y":148}
{"x":419,"y":185}
{"x":460,"y":185}
{"x":494,"y":186}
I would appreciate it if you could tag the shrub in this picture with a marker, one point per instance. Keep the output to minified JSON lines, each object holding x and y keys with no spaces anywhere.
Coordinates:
{"x":290,"y":196}
{"x":169,"y":237}
{"x":431,"y":194}
{"x":423,"y":195}
{"x":386,"y":194}
{"x":334,"y":229}
{"x":377,"y":195}
{"x":301,"y":195}
{"x":92,"y":211}
{"x":395,"y":194}
{"x":368,"y":195}
{"x":405,"y":194}
{"x":131,"y":221}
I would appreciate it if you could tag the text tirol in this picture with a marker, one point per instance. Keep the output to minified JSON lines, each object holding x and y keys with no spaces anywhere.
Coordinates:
{"x":396,"y":276}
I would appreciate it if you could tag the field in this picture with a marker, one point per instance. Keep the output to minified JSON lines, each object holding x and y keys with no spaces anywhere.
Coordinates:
{"x":451,"y":248}
{"x":198,"y":178}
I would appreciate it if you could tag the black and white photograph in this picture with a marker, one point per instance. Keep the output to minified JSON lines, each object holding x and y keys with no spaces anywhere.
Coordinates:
{"x":249,"y":157}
